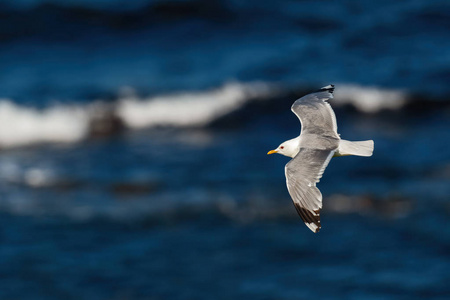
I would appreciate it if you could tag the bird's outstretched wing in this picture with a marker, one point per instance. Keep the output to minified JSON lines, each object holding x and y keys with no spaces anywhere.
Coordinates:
{"x":302,"y":174}
{"x":315,"y":113}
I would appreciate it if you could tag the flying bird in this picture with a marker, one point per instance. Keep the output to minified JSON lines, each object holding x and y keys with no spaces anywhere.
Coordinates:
{"x":311,"y":152}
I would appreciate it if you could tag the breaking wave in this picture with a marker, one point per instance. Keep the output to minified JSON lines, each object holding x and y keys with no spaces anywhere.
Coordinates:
{"x":21,"y":125}
{"x":369,"y":99}
{"x":189,"y":109}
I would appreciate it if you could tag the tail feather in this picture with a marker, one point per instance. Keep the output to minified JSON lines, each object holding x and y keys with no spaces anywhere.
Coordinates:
{"x":363,"y":148}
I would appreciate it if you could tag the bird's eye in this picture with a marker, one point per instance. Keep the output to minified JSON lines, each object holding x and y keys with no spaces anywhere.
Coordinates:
{"x":282,"y":147}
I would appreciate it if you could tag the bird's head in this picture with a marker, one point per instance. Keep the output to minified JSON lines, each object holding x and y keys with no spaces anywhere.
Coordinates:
{"x":289,"y":148}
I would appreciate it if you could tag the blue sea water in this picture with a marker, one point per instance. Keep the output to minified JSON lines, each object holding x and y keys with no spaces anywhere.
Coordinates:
{"x":134,"y":134}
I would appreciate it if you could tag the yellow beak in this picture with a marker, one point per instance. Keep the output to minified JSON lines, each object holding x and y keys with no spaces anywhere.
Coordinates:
{"x":272,"y":152}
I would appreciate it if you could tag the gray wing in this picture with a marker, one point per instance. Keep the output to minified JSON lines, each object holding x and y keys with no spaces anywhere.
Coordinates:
{"x":302,"y":174}
{"x":315,"y":113}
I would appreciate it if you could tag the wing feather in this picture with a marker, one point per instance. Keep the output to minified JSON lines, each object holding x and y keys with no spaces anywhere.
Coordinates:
{"x":315,"y":113}
{"x":302,"y":174}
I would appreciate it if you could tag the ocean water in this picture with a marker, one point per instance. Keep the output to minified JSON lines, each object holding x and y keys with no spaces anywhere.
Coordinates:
{"x":133,"y":141}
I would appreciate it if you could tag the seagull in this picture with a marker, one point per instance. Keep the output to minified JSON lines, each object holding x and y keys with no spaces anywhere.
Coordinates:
{"x":311,"y":152}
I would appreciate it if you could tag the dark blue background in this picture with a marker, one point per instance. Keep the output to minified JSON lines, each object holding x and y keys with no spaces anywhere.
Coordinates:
{"x":196,"y":210}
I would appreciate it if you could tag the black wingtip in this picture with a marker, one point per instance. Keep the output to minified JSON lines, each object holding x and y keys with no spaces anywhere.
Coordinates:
{"x":329,"y":88}
{"x":308,"y":217}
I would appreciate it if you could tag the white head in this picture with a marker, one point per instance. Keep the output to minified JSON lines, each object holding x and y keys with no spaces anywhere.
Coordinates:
{"x":289,"y":148}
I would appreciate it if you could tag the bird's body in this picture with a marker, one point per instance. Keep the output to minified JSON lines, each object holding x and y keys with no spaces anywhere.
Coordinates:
{"x":311,"y":152}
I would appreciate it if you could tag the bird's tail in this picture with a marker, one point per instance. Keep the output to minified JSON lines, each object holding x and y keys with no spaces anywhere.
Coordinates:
{"x":364,"y":148}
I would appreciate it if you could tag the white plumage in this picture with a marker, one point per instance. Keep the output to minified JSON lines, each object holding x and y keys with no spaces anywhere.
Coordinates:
{"x":311,"y":152}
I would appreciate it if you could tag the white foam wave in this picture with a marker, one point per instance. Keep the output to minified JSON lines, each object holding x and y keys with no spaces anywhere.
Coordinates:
{"x":188,"y":109}
{"x":21,"y":125}
{"x":369,"y":99}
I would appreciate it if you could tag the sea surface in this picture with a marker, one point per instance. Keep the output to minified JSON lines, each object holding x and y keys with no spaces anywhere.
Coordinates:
{"x":133,"y":141}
